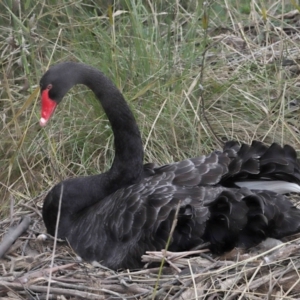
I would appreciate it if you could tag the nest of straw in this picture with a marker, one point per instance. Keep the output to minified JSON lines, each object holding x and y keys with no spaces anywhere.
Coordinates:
{"x":33,"y":269}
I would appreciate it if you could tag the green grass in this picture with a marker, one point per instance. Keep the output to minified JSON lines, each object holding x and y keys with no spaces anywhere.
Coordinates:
{"x":153,"y":51}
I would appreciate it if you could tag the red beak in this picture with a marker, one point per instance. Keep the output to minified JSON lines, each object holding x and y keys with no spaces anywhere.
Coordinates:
{"x":48,"y":107}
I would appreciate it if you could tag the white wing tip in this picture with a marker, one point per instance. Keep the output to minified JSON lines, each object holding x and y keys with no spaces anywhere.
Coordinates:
{"x":277,"y":186}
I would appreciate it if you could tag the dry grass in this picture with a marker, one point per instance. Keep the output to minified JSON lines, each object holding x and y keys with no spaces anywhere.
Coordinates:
{"x":250,"y":91}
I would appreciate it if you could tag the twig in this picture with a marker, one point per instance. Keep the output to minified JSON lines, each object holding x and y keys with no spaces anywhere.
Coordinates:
{"x":132,"y":288}
{"x":167,"y":246}
{"x":13,"y":234}
{"x":44,"y":289}
{"x":31,"y":208}
{"x":29,"y":237}
{"x":153,"y":125}
{"x":113,"y":293}
{"x":193,"y":279}
{"x":44,"y":272}
{"x":12,"y":202}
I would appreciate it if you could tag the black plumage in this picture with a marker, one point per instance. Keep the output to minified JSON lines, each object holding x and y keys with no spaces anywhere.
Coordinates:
{"x":116,"y":216}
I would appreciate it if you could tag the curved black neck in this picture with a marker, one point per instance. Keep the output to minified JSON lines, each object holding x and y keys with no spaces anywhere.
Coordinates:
{"x":128,"y":162}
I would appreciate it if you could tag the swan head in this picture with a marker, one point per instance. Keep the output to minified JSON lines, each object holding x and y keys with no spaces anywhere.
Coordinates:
{"x":54,"y":84}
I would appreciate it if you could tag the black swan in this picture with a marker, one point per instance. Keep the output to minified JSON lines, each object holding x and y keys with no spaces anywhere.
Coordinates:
{"x":230,"y":198}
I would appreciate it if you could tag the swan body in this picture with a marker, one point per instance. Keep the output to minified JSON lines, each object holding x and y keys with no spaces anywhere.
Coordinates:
{"x":232,"y":197}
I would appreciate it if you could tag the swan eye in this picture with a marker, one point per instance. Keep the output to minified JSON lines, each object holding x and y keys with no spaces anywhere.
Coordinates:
{"x":49,"y":87}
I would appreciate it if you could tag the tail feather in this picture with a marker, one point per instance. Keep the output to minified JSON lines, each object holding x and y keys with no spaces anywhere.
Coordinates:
{"x":277,"y":218}
{"x":257,"y":161}
{"x":244,"y":218}
{"x":274,"y":154}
